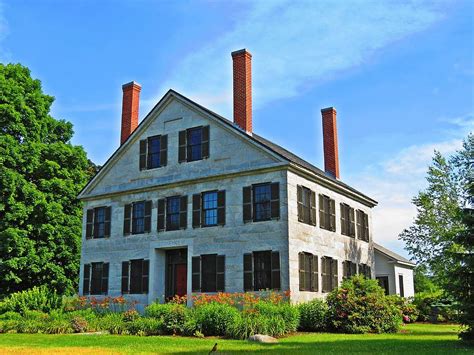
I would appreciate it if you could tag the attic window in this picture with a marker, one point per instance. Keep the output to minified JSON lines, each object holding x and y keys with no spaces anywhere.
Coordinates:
{"x":153,"y":152}
{"x":194,"y":144}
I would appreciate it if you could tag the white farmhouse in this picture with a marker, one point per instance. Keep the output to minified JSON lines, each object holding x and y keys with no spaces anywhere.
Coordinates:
{"x":192,"y":202}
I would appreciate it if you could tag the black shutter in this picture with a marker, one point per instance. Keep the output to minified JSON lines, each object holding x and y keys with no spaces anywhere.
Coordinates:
{"x":301,"y":258}
{"x":345,"y":269}
{"x":275,"y":270}
{"x":164,"y":150}
{"x":248,"y":272}
{"x":205,"y":142}
{"x":334,"y":281}
{"x":221,"y":208}
{"x":196,"y":210}
{"x":275,"y":200}
{"x":312,"y":212}
{"x":366,"y":227}
{"x":96,"y":224}
{"x":359,"y":225}
{"x":86,"y":278}
{"x":89,"y":223}
{"x":161,"y":214}
{"x":247,"y":204}
{"x":343,"y":219}
{"x":332,"y":211}
{"x":220,"y":273}
{"x":322,"y":220}
{"x":127,"y":219}
{"x":353,"y":268}
{"x":147,"y":216}
{"x":107,"y":222}
{"x":183,"y":212}
{"x":143,"y":146}
{"x":314,"y":274}
{"x":105,"y":278}
{"x":351,"y":223}
{"x":196,"y":274}
{"x":299,"y":197}
{"x":125,"y":277}
{"x":145,"y":275}
{"x":182,"y":146}
{"x":324,"y":270}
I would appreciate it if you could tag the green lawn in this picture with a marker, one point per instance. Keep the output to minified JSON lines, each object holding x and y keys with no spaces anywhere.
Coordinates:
{"x":413,"y":339}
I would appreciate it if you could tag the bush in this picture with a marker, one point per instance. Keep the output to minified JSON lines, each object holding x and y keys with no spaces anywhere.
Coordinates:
{"x":9,"y":325}
{"x":359,"y":305}
{"x":113,"y":323}
{"x":10,"y":316}
{"x":35,"y":315}
{"x":173,"y":315}
{"x":58,"y":326}
{"x":145,"y":326}
{"x":36,"y":299}
{"x":408,"y":309}
{"x":31,"y":326}
{"x":434,"y":307}
{"x":79,"y":324}
{"x":214,"y":318}
{"x":313,"y":315}
{"x":288,"y":313}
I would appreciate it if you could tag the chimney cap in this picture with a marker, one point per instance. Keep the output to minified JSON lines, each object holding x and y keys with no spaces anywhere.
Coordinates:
{"x":132,"y":83}
{"x":241,"y":52}
{"x":327,"y":109}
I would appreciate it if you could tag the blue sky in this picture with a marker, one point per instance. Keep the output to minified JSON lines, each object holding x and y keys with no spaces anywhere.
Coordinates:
{"x":400,"y":74}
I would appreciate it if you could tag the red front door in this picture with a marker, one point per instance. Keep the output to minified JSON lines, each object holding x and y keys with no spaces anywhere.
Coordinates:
{"x":181,"y":279}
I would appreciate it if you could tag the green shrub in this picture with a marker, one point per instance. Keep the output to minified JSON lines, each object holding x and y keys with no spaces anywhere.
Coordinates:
{"x":145,"y":326}
{"x":35,"y":315}
{"x":9,"y":325}
{"x":408,"y":309}
{"x":214,"y":318}
{"x":130,"y":315}
{"x":173,"y":315}
{"x":434,"y":306}
{"x":36,"y":299}
{"x":31,"y":326}
{"x":287,"y":312}
{"x":10,"y":316}
{"x":79,"y":324}
{"x":313,"y":315}
{"x":113,"y":323}
{"x":359,"y":305}
{"x":54,"y":325}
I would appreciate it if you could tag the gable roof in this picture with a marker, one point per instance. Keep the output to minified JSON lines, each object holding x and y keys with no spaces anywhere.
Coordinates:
{"x":268,"y":145}
{"x":392,"y":255}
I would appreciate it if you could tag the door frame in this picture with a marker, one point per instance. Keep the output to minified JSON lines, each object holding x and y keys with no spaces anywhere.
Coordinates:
{"x":174,"y":257}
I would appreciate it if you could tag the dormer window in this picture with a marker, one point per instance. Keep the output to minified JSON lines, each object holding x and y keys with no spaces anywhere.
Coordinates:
{"x":194,"y":144}
{"x":153,"y":152}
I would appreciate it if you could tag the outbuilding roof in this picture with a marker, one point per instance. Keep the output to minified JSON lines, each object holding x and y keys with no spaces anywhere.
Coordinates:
{"x":392,"y":255}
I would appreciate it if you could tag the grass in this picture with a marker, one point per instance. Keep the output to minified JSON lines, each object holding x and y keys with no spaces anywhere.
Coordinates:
{"x":413,"y":339}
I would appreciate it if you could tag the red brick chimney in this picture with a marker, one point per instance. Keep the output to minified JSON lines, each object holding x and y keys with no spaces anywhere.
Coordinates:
{"x":130,"y":102}
{"x":242,"y":63}
{"x":331,"y":155}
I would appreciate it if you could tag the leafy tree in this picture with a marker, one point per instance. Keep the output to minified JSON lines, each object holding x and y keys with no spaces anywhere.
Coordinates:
{"x":423,"y":282}
{"x":41,"y":173}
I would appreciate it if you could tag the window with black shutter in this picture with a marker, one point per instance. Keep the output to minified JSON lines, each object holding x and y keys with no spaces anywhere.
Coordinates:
{"x":172,"y":213}
{"x":135,"y":276}
{"x":208,"y":273}
{"x":329,"y":273}
{"x":98,"y":281}
{"x":98,"y":222}
{"x":327,"y":213}
{"x":262,"y":271}
{"x":347,"y":220}
{"x":348,"y":269}
{"x":261,"y":202}
{"x":209,"y":209}
{"x":306,"y":205}
{"x":153,"y":152}
{"x":362,"y":226}
{"x":137,"y":218}
{"x":308,"y":272}
{"x":193,"y":144}
{"x":365,"y":270}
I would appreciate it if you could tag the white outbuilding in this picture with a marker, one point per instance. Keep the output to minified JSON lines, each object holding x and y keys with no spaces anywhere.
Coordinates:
{"x":393,"y":272}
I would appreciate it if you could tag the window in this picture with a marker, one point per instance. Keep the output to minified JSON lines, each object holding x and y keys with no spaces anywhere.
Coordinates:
{"x":308,"y":272}
{"x":329,"y":273}
{"x":193,"y":144}
{"x":135,"y":274}
{"x":96,"y":279}
{"x":327,"y":213}
{"x":348,"y":269}
{"x":383,"y":282}
{"x":347,"y":220}
{"x":137,"y":218}
{"x":172,"y":213}
{"x":209,"y":209}
{"x":401,"y":285}
{"x":306,"y":205}
{"x":362,"y":226}
{"x":98,"y":223}
{"x":261,"y":202}
{"x":262,"y":271}
{"x":153,"y":152}
{"x":208,"y":273}
{"x":365,"y":270}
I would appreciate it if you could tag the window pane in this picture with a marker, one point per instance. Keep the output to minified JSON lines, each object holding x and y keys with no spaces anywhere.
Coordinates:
{"x":209,"y":207}
{"x":96,"y":279}
{"x":262,"y":197}
{"x":153,"y":152}
{"x":262,"y":270}
{"x":172,"y":213}
{"x":194,"y":144}
{"x":138,"y":215}
{"x":99,"y":223}
{"x":208,"y":282}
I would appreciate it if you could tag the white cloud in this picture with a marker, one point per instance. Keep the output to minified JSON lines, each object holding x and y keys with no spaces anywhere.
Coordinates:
{"x":296,"y":44}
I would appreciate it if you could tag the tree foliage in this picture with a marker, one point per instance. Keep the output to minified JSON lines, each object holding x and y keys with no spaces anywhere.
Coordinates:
{"x":41,"y":173}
